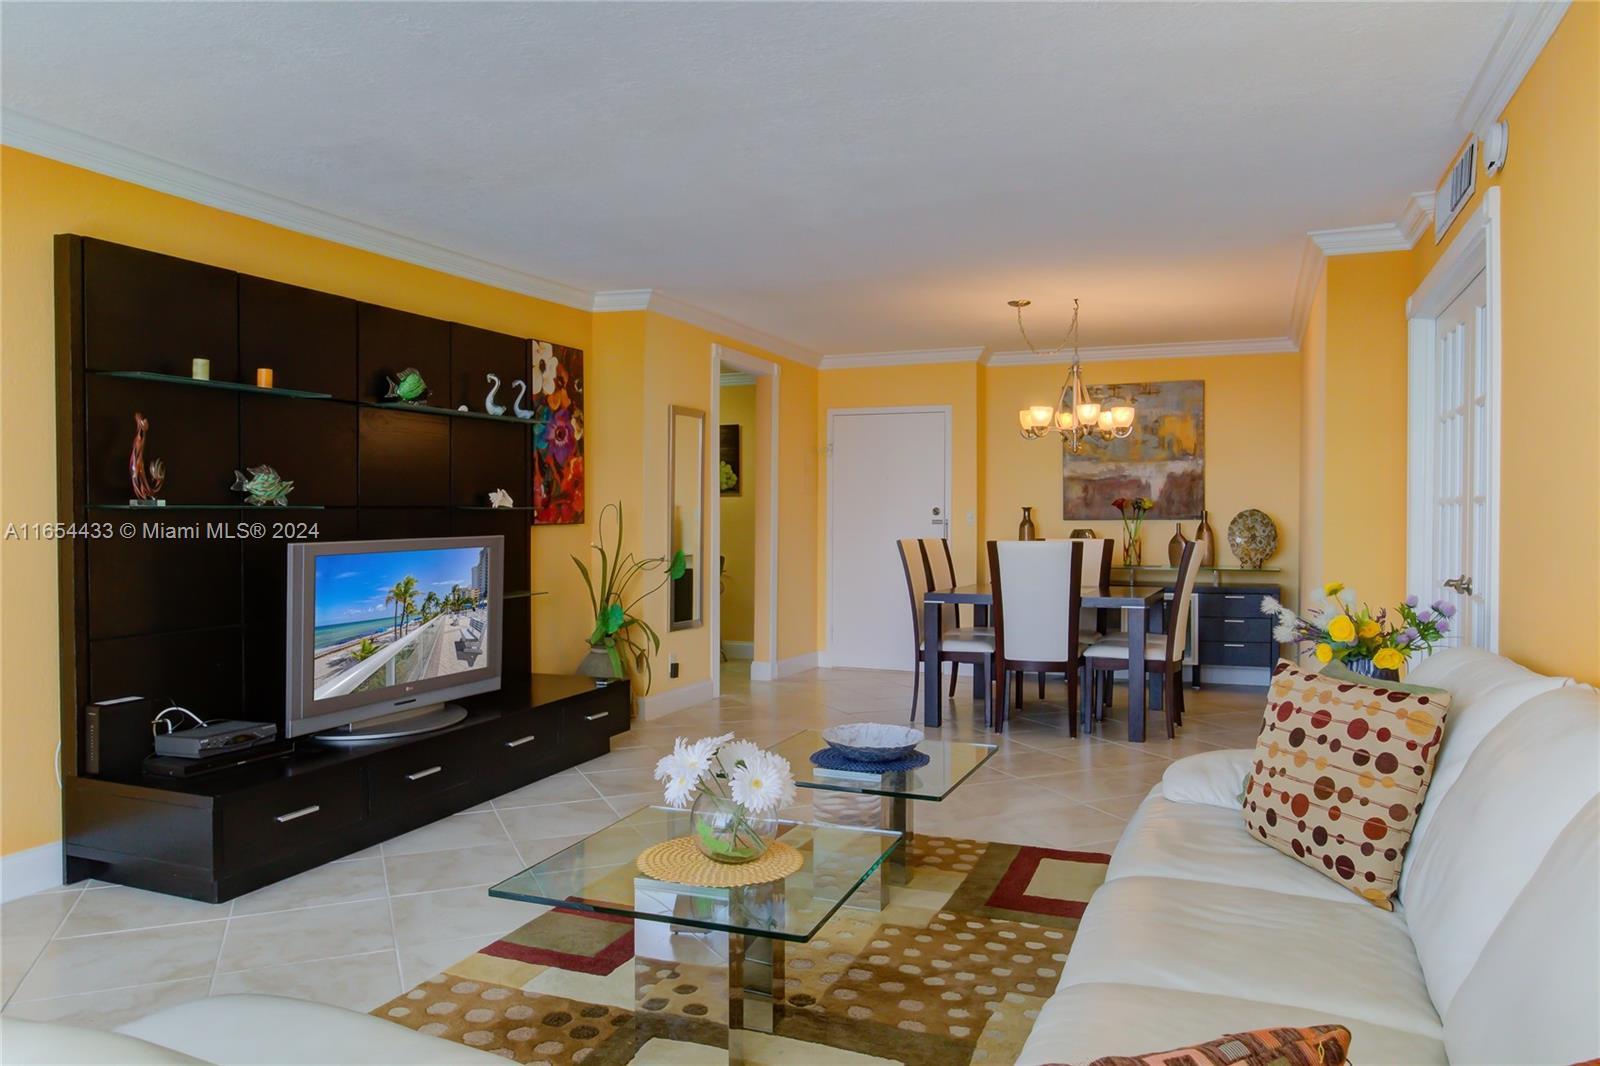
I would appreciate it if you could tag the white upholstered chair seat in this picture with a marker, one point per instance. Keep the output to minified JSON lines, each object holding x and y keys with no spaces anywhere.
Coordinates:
{"x":1116,"y":647}
{"x":968,"y":638}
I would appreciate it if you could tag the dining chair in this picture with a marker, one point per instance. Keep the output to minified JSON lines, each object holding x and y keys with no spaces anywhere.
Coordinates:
{"x":1038,"y":597}
{"x":970,"y":644}
{"x":1163,"y":652}
{"x":942,"y":568}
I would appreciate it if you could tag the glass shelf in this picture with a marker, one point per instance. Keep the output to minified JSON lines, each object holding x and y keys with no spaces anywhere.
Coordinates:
{"x":522,"y":595}
{"x":448,"y":412}
{"x":486,"y":507}
{"x":206,"y":383}
{"x":1217,"y":569}
{"x":201,"y":507}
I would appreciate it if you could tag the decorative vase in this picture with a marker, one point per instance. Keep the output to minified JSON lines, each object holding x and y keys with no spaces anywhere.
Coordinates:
{"x":1027,"y":531}
{"x":724,"y":831}
{"x":1175,"y":546}
{"x":1205,"y":541}
{"x":1364,"y":667}
{"x":597,"y":664}
{"x":1132,"y":551}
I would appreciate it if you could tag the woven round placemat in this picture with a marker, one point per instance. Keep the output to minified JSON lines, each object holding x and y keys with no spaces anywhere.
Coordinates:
{"x":833,"y":759}
{"x":679,"y":861}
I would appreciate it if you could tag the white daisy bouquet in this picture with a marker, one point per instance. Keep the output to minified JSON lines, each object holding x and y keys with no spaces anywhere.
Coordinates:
{"x":733,"y":789}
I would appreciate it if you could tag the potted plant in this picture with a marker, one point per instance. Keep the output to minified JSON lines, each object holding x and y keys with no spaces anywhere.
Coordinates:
{"x":617,"y":629}
{"x":1373,"y":644}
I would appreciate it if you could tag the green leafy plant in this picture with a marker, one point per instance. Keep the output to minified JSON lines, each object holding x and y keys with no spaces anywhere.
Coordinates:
{"x":616,"y":627}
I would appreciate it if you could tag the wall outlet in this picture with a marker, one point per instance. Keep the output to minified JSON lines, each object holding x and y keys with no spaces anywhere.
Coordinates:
{"x":672,"y":666}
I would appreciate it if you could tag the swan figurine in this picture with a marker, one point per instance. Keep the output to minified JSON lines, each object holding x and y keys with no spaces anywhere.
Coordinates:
{"x":516,"y":404}
{"x":488,"y":401}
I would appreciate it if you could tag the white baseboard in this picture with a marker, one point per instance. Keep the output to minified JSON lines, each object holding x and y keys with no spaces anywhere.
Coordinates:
{"x":677,"y":699}
{"x":739,"y":649}
{"x":765,"y":670}
{"x":23,"y":873}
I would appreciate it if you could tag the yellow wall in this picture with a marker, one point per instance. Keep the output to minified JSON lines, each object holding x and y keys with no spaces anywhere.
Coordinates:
{"x":738,"y":407}
{"x":1363,"y":422}
{"x":1313,"y":442}
{"x":1252,"y":450}
{"x":1550,"y":362}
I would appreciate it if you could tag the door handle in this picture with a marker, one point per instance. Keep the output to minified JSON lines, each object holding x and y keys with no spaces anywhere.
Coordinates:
{"x":420,"y":774}
{"x":1462,"y":584}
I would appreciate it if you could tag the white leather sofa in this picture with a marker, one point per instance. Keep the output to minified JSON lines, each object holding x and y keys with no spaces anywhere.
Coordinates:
{"x":1492,"y":954}
{"x":242,"y":1030}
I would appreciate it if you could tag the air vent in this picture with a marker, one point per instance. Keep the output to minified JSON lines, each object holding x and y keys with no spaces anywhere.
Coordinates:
{"x":1455,"y":190}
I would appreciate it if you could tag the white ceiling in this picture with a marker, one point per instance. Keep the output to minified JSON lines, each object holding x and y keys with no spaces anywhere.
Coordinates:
{"x":849,"y":177}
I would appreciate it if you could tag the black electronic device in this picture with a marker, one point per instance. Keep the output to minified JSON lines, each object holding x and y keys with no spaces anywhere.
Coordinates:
{"x":116,"y":736}
{"x":180,"y":767}
{"x":215,"y":738}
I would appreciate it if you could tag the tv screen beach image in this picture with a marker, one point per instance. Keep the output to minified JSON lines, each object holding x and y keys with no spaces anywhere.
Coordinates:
{"x":393,"y":618}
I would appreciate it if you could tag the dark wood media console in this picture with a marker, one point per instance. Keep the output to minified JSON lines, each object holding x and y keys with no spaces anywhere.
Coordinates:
{"x":219,"y":836}
{"x":181,"y":611}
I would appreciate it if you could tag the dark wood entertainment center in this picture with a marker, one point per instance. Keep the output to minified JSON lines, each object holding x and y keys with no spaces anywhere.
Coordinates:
{"x":178,"y":612}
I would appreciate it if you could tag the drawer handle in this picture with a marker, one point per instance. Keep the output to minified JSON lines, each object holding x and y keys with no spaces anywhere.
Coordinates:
{"x":301,"y":813}
{"x":1234,"y":621}
{"x":1233,"y":645}
{"x":1230,"y":597}
{"x":519,"y":741}
{"x":420,"y":774}
{"x":596,"y":717}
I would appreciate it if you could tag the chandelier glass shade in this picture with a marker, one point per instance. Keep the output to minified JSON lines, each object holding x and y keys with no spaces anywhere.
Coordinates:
{"x":1074,"y":416}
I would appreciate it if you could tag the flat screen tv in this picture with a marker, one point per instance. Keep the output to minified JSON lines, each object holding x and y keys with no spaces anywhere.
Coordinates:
{"x":382,"y":633}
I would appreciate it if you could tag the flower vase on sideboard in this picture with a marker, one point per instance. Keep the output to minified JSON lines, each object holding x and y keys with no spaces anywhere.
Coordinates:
{"x":1132,"y":552}
{"x":1026,"y":530}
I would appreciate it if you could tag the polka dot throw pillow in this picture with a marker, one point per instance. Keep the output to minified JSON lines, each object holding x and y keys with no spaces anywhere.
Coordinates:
{"x":1339,"y":774}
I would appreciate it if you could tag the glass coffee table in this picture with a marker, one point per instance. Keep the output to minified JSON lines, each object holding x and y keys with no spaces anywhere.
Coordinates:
{"x":950,"y":762}
{"x":598,"y":875}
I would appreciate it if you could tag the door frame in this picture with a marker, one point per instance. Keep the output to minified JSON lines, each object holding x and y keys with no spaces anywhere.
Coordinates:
{"x":949,"y":476}
{"x":1475,"y":250}
{"x":764,"y":664}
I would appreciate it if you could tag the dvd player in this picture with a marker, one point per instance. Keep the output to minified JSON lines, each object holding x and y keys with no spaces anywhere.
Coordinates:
{"x":216,"y":738}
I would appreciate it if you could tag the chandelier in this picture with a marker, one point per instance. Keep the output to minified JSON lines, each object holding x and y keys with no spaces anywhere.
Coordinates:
{"x":1074,"y":415}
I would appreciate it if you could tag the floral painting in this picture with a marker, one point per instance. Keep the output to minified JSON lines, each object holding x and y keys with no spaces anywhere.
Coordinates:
{"x":1164,"y":459}
{"x":557,"y":401}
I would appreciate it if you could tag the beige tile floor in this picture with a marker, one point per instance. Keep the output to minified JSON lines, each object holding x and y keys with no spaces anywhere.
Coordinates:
{"x":360,"y":930}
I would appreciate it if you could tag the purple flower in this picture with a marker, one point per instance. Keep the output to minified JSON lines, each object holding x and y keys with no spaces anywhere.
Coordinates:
{"x":1410,"y":634}
{"x":1447,"y":609}
{"x":1444,"y":625}
{"x":1425,"y":616}
{"x":1411,"y":601}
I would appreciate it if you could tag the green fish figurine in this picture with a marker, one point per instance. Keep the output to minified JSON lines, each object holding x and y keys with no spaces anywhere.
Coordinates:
{"x":409,"y":389}
{"x":263,"y":486}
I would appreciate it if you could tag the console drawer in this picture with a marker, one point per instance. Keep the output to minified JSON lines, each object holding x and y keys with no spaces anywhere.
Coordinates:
{"x":1229,"y":604}
{"x":524,"y":740}
{"x":599,"y":718}
{"x":280,"y":818}
{"x":400,"y":777}
{"x":1237,"y":653}
{"x":1235,"y":630}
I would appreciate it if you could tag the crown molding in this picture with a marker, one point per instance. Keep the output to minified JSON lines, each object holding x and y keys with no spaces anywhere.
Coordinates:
{"x":1523,"y":35}
{"x":663,"y":304}
{"x":1397,"y":236}
{"x":1179,"y":350}
{"x":103,"y":157}
{"x":1312,"y":266}
{"x":904,"y":357}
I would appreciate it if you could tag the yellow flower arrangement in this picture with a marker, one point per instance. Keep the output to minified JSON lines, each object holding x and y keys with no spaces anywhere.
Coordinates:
{"x":1324,"y":652}
{"x":1368,"y":628}
{"x":1333,"y":588}
{"x":1388,"y":659}
{"x":1342,"y":629}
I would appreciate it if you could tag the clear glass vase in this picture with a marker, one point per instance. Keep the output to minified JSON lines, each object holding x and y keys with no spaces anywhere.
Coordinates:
{"x":726,"y":832}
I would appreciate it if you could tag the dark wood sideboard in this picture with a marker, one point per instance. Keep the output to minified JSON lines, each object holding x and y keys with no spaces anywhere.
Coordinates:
{"x":178,"y":613}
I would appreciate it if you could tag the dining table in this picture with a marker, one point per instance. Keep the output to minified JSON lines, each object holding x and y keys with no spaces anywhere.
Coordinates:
{"x":1136,"y":600}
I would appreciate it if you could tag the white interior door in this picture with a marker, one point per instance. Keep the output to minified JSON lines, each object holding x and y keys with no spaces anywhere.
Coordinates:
{"x":1461,"y":465}
{"x":888,"y":477}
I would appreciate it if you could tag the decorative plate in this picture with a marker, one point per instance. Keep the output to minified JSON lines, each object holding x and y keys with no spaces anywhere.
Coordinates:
{"x":873,"y":741}
{"x":1253,"y":538}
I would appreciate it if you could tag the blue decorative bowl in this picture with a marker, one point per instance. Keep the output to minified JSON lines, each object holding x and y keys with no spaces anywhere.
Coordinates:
{"x":873,"y":741}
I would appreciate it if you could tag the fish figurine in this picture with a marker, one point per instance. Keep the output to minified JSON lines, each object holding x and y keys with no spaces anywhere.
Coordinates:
{"x":488,"y":401}
{"x":411,"y":388}
{"x":516,"y":404}
{"x":263,"y":486}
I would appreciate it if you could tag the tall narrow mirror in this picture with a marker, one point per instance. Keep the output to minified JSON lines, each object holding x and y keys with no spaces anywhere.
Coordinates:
{"x":686,"y":442}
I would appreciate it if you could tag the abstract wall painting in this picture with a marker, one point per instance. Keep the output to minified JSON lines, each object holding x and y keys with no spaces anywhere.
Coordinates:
{"x":1164,"y":458}
{"x":557,"y":402}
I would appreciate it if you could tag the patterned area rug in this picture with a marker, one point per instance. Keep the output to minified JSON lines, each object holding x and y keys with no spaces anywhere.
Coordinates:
{"x":953,"y":971}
